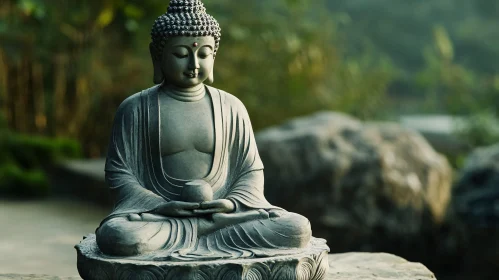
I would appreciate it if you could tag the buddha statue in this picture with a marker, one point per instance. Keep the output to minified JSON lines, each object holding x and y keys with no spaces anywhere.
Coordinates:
{"x":183,"y":166}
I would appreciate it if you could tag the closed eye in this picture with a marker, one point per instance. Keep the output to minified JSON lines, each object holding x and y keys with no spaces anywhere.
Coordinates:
{"x":204,"y":55}
{"x":179,"y":55}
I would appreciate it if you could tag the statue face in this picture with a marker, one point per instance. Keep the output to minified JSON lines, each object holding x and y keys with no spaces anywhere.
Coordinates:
{"x":188,"y":61}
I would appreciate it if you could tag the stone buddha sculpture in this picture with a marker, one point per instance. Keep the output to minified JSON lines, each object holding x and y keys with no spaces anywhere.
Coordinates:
{"x":183,"y":166}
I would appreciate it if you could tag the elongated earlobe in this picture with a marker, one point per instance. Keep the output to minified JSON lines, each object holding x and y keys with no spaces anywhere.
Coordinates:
{"x":211,"y":77}
{"x":158,"y":73}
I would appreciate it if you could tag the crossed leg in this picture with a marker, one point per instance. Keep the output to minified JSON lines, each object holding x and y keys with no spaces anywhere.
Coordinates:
{"x":137,"y":234}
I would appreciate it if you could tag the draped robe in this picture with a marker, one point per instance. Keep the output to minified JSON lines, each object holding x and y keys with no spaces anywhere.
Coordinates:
{"x":139,"y":184}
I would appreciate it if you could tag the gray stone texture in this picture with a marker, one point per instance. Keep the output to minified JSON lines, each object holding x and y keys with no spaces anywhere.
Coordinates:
{"x":441,"y":131}
{"x":183,"y":166}
{"x":476,"y":192}
{"x":476,"y":204}
{"x":364,"y":186}
{"x":311,"y":264}
{"x":375,"y":266}
{"x":349,"y":266}
{"x":34,"y":277}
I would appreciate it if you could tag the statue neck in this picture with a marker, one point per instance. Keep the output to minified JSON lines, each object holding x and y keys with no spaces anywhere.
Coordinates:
{"x":184,"y":94}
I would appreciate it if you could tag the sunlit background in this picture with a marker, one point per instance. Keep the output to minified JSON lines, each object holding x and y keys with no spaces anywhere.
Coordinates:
{"x":65,"y":66}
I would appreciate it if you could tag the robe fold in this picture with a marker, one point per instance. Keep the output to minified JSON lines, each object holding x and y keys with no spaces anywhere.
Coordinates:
{"x":138,"y":182}
{"x":134,"y":169}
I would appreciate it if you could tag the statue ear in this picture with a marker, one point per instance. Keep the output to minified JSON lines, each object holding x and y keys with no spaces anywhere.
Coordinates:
{"x":211,"y":78}
{"x":158,"y":73}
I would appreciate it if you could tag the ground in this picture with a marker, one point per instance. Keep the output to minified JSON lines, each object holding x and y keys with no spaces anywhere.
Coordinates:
{"x":38,"y":236}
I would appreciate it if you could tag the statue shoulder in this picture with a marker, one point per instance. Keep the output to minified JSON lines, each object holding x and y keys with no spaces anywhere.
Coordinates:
{"x":232,"y":101}
{"x":133,"y":102}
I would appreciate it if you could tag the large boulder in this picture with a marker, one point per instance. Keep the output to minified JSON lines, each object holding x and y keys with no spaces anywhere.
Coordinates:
{"x":476,"y":202}
{"x":364,"y":186}
{"x":375,"y":266}
{"x":476,"y":191}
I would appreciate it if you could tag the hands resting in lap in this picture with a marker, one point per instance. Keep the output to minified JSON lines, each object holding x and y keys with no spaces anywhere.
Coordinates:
{"x":191,"y":209}
{"x":185,"y":209}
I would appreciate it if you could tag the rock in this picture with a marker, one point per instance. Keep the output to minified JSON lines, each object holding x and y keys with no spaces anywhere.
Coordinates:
{"x":476,"y":202}
{"x":364,"y":186}
{"x":34,"y":277}
{"x":375,"y":266}
{"x":441,"y":131}
{"x":350,"y":266}
{"x":476,"y":191}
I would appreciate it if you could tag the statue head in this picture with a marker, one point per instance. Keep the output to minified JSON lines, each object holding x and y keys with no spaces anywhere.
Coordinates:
{"x":184,"y":44}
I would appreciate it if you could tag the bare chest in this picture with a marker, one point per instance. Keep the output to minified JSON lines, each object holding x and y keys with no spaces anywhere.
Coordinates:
{"x":186,"y":126}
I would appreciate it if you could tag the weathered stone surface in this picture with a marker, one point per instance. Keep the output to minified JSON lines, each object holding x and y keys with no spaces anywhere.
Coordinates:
{"x":375,"y":266}
{"x":310,"y":265}
{"x":441,"y":131}
{"x":476,"y":202}
{"x":34,"y":277}
{"x":364,"y":186}
{"x":350,"y":266}
{"x":476,"y":193}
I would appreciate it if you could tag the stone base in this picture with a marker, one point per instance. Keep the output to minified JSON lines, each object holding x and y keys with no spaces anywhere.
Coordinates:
{"x":310,"y":265}
{"x":349,"y":266}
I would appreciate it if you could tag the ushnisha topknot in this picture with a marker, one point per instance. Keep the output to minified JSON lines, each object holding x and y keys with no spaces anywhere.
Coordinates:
{"x":184,"y":18}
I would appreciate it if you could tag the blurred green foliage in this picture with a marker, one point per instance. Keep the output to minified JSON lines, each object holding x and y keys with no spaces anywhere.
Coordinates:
{"x":286,"y":59}
{"x":445,"y":52}
{"x":24,"y":159}
{"x":452,"y":88}
{"x":77,"y":60}
{"x":482,"y":129}
{"x":66,"y":65}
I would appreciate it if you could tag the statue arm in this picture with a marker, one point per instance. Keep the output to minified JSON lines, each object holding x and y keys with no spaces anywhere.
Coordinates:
{"x":246,"y":190}
{"x":123,"y":163}
{"x":248,"y":194}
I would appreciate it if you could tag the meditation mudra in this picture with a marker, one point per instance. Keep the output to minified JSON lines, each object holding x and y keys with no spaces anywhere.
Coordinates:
{"x":183,"y":166}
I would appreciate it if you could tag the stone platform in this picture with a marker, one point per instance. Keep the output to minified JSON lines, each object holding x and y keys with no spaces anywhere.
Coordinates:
{"x":309,"y":265}
{"x":348,"y":266}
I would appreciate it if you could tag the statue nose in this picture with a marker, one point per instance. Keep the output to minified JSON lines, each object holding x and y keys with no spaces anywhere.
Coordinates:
{"x":194,"y":63}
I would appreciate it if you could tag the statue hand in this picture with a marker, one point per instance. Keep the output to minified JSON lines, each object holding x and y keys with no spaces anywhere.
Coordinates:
{"x":177,"y":209}
{"x":216,"y":206}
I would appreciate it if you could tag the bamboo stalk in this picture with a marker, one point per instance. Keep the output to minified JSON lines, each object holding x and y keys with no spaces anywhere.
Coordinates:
{"x":59,"y":98}
{"x":30,"y":97}
{"x":82,"y":97}
{"x":20,"y":105}
{"x":39,"y":95}
{"x":3,"y":85}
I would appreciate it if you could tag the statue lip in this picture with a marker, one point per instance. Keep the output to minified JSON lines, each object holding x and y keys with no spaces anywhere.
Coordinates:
{"x":191,"y":74}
